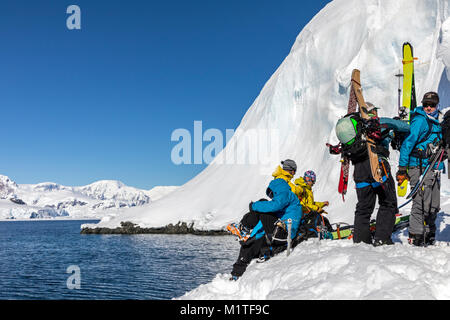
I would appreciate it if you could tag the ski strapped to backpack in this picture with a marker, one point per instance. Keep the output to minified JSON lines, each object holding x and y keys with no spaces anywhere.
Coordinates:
{"x":353,"y":141}
{"x":409,"y":102}
{"x":345,"y":162}
{"x":371,"y":145}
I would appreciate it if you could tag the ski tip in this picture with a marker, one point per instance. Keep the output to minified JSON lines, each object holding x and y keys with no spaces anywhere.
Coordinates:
{"x":407,"y":44}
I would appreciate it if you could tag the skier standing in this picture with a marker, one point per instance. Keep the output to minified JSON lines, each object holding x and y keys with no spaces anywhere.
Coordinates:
{"x":425,"y":134}
{"x":367,"y":189}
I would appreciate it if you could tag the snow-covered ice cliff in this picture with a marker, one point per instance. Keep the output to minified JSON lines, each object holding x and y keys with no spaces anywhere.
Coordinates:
{"x":303,"y":100}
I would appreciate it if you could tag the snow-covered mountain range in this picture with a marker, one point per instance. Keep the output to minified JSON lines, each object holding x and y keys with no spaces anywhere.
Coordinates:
{"x":303,"y":100}
{"x":51,"y":200}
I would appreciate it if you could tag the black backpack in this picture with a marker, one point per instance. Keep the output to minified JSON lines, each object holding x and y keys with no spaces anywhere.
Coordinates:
{"x":446,"y":129}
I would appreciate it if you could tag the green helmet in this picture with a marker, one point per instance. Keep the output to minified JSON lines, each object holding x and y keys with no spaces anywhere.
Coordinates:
{"x":346,"y":130}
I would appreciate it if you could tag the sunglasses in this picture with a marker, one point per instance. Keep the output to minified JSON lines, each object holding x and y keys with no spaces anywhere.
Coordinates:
{"x":429,"y":105}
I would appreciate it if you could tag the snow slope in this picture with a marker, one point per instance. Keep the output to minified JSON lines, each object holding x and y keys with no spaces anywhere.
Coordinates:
{"x":322,"y":270}
{"x":101,"y":199}
{"x":303,"y":100}
{"x":159,"y":192}
{"x":339,"y":270}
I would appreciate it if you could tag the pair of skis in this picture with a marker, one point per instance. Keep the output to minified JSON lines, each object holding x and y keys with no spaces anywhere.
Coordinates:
{"x":409,"y":103}
{"x":357,"y":99}
{"x":345,"y":231}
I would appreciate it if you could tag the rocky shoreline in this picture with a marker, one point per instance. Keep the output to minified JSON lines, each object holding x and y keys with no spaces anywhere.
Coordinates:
{"x":132,"y":228}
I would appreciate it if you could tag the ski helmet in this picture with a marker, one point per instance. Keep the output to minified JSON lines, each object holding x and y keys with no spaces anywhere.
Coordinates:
{"x":346,"y":130}
{"x":431,"y":98}
{"x":311,"y":175}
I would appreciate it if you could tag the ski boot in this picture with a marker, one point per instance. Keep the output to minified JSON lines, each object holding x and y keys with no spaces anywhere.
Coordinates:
{"x":263,"y":258}
{"x":240,"y":231}
{"x":265,"y":255}
{"x":430,"y":239}
{"x":379,"y":242}
{"x":234,"y":278}
{"x":416,"y":240}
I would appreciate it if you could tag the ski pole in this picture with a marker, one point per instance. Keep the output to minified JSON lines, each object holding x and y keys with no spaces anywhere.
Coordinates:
{"x":399,"y":75}
{"x":410,"y":199}
{"x":289,"y":223}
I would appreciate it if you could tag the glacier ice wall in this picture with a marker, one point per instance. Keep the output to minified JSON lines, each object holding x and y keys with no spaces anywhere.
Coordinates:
{"x":305,"y":97}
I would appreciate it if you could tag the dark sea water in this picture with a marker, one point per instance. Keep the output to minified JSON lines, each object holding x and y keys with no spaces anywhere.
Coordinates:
{"x":52,"y":260}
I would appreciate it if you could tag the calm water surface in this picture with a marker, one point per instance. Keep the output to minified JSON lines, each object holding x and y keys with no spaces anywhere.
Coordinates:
{"x":35,"y":256}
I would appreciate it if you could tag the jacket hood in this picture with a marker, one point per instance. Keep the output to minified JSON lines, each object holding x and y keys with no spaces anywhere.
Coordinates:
{"x":421,"y":111}
{"x":279,"y":186}
{"x":301,"y":182}
{"x":280,"y":173}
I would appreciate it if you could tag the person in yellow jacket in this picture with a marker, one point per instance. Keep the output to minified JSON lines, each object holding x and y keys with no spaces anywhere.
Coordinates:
{"x":306,"y":196}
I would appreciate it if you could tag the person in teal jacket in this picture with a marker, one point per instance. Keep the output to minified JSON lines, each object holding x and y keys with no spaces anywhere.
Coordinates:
{"x":425,"y":130}
{"x":263,"y":218}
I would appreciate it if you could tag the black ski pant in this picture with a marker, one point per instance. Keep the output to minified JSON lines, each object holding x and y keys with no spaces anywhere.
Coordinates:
{"x":252,"y":248}
{"x":367,"y":196}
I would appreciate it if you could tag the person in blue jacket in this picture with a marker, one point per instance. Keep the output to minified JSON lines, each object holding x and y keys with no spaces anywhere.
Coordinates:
{"x":425,"y":131}
{"x":264,"y":216}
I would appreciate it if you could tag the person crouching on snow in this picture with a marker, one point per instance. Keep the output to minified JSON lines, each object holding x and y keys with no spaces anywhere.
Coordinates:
{"x":307,"y":197}
{"x":265,"y":220}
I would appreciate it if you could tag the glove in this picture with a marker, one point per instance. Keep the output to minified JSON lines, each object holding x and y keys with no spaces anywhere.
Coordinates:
{"x":401,"y":175}
{"x":250,"y":207}
{"x":373,"y":128}
{"x":334,"y":149}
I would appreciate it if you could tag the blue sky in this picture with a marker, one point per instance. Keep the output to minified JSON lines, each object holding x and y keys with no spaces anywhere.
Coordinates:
{"x":101,"y":102}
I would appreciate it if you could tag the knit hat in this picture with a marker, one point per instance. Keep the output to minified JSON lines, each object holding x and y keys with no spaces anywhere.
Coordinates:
{"x":289,"y":165}
{"x":311,"y":175}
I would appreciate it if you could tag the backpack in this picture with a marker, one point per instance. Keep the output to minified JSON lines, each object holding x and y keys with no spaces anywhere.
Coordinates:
{"x":445,"y":125}
{"x":349,"y":131}
{"x":309,"y":227}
